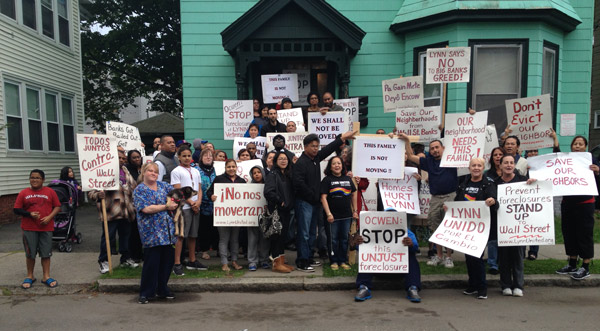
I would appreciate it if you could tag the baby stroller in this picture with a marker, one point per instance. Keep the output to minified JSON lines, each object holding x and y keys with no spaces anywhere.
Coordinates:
{"x":64,"y":222}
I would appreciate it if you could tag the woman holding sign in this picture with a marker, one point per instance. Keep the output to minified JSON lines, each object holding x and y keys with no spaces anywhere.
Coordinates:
{"x":477,"y":187}
{"x":338,"y":196}
{"x":578,"y":223}
{"x":228,"y":235}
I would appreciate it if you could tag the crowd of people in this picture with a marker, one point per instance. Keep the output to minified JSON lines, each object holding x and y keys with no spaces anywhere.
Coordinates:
{"x":315,"y":213}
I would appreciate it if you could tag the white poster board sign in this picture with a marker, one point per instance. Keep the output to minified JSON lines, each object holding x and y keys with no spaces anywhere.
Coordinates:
{"x":240,"y":143}
{"x":351,"y":107}
{"x":238,"y":204}
{"x":382,"y":250}
{"x":525,"y":214}
{"x":327,"y":126}
{"x":243,"y":168}
{"x":464,"y":138}
{"x":491,"y":142}
{"x":465,"y":228}
{"x":401,"y":194}
{"x":294,"y":141}
{"x":422,"y":122}
{"x":400,"y":93}
{"x":277,"y":87}
{"x":237,"y":116}
{"x":568,"y":124}
{"x":569,"y":172}
{"x":448,"y":65}
{"x":98,"y":162}
{"x":294,"y":115}
{"x":424,"y":199}
{"x":531,"y":120}
{"x":303,"y":84}
{"x":127,"y":136}
{"x":370,"y":195}
{"x":378,"y":157}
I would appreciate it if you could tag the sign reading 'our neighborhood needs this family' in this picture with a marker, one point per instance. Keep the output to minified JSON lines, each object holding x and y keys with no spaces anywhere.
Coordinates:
{"x":382,"y":250}
{"x":238,"y":204}
{"x":464,"y":138}
{"x":98,"y":162}
{"x":237,"y":116}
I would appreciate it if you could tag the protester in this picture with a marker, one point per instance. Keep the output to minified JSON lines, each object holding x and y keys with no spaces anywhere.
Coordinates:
{"x":273,"y":125}
{"x":253,"y":130}
{"x":510,"y":259}
{"x":511,"y":147}
{"x":380,"y":131}
{"x":291,"y":126}
{"x":492,"y":248}
{"x":67,"y":175}
{"x":313,"y":105}
{"x":328,"y":104}
{"x":260,"y":117}
{"x":228,"y":235}
{"x":157,"y":231}
{"x":251,"y":148}
{"x":268,"y":162}
{"x":134,"y":164}
{"x":279,"y":145}
{"x":156,"y":146}
{"x":285,"y":103}
{"x":279,"y":194}
{"x":258,"y":245}
{"x":37,"y":205}
{"x":119,"y":211}
{"x":307,"y":175}
{"x":198,"y":147}
{"x":577,"y":224}
{"x":243,"y":155}
{"x":166,"y":159}
{"x":494,"y":162}
{"x":208,"y":236}
{"x":220,"y":155}
{"x":187,"y":176}
{"x":478,"y":187}
{"x":338,"y":197}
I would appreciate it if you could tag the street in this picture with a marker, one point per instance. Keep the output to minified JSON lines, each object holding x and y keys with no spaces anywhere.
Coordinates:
{"x":542,"y":308}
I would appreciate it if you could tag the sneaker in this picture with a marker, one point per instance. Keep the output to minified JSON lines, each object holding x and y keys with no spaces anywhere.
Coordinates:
{"x":567,"y":270}
{"x":103,"y":267}
{"x":345,"y":266}
{"x":507,"y":292}
{"x":314,"y":263}
{"x":142,"y":300}
{"x":412,"y":294}
{"x":363,"y":294}
{"x":581,"y":274}
{"x":435,"y":260}
{"x":305,"y":267}
{"x":130,"y":263}
{"x":168,"y":296}
{"x":482,"y":294}
{"x":334,"y":266}
{"x":517,"y":292}
{"x":196,"y":265}
{"x":493,"y":271}
{"x":265,"y":265}
{"x":252,"y":267}
{"x":448,"y":262}
{"x":470,"y":291}
{"x":178,"y":270}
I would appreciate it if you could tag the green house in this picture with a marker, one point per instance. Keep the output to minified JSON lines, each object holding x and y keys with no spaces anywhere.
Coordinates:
{"x":518,"y":49}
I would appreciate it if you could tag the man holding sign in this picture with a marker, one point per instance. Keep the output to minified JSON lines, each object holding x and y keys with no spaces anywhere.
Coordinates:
{"x":273,"y":125}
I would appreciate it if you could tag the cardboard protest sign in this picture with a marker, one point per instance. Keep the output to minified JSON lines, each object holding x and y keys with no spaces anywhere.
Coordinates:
{"x":569,"y":172}
{"x":303,"y":84}
{"x":448,"y":65}
{"x":351,"y":107}
{"x":465,"y":228}
{"x":405,"y":92}
{"x":238,"y":204}
{"x":327,"y":126}
{"x":98,"y":162}
{"x":237,"y":116}
{"x":243,"y":168}
{"x":370,"y":196}
{"x":422,"y":122}
{"x":525,"y":214}
{"x":294,"y":141}
{"x":295,"y":115}
{"x":127,"y":136}
{"x":464,"y":138}
{"x":401,"y":194}
{"x":240,"y":143}
{"x":378,"y":157}
{"x":382,"y":250}
{"x":531,"y":120}
{"x":277,"y":87}
{"x":424,"y":199}
{"x":491,"y":142}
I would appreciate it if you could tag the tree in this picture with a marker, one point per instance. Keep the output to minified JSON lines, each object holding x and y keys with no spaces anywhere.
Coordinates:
{"x":137,"y":54}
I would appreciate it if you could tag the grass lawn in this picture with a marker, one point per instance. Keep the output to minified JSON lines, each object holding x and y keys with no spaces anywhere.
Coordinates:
{"x":212,"y":272}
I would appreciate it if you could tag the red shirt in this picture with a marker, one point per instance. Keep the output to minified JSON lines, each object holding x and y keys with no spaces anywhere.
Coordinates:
{"x":42,"y":201}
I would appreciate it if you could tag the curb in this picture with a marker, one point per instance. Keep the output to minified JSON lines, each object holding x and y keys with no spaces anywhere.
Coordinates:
{"x":40,"y":289}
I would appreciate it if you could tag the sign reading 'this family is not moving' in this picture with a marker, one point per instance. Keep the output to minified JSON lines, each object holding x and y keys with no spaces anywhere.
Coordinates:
{"x":382,"y":250}
{"x":378,"y":157}
{"x":277,"y":87}
{"x":98,"y":162}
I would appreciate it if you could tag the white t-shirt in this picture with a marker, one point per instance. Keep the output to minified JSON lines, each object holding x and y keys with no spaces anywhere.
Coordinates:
{"x":187,"y":177}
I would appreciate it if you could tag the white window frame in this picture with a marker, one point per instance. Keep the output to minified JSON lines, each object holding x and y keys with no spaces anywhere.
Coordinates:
{"x":48,"y":121}
{"x":422,"y":62}
{"x":40,"y":119}
{"x":16,"y":4}
{"x":21,"y":117}
{"x":63,"y":125}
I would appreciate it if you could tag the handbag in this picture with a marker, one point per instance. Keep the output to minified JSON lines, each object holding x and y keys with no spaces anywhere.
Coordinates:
{"x":269,"y":223}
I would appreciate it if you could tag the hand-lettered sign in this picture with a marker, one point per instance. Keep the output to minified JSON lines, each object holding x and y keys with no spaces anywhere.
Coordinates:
{"x":448,"y":65}
{"x":240,"y":143}
{"x":243,"y":168}
{"x":378,"y":157}
{"x":569,"y":173}
{"x":327,"y":126}
{"x":400,"y":93}
{"x":128,"y":136}
{"x":277,"y":87}
{"x":295,"y":115}
{"x":238,"y":204}
{"x":98,"y":162}
{"x":464,"y":138}
{"x":237,"y":116}
{"x":294,"y":141}
{"x":401,"y":194}
{"x":383,"y":250}
{"x":531,"y":121}
{"x":422,"y":122}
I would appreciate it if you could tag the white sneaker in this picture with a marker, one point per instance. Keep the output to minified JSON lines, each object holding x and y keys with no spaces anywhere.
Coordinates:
{"x":103,"y":267}
{"x":448,"y":262}
{"x":507,"y":291}
{"x":517,"y":292}
{"x":130,"y":263}
{"x":435,"y":260}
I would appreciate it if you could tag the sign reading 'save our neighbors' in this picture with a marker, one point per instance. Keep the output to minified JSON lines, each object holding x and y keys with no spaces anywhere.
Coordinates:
{"x":98,"y":162}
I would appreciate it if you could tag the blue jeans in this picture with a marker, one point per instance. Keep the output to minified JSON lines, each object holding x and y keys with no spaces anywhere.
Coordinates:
{"x":307,"y":216}
{"x":412,"y":278}
{"x":124,"y":229}
{"x":492,"y":260}
{"x":339,"y":240}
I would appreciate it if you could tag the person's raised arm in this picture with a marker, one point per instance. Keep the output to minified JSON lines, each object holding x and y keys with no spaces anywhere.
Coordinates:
{"x":410,"y":155}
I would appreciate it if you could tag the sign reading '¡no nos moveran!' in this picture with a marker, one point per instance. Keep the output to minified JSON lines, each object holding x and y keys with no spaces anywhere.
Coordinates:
{"x":98,"y":162}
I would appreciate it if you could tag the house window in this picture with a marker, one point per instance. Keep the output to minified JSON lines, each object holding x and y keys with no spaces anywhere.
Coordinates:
{"x":52,"y":123}
{"x":63,"y":22}
{"x":497,"y":76}
{"x":47,"y":18}
{"x":7,"y":7}
{"x":550,"y":75}
{"x":14,"y":123}
{"x":597,"y":119}
{"x":29,"y":14}
{"x":68,"y":124}
{"x":432,"y":93}
{"x":34,"y":120}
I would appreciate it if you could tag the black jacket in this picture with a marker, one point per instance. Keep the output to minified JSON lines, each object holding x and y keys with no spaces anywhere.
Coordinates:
{"x":279,"y":127}
{"x":488,"y":190}
{"x":307,"y":173}
{"x":278,"y":190}
{"x":223,"y":179}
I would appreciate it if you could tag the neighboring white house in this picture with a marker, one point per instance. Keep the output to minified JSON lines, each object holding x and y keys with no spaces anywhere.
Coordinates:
{"x":41,"y":94}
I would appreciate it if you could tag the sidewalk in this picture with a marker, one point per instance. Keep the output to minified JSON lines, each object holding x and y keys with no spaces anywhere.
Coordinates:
{"x":78,"y":271}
